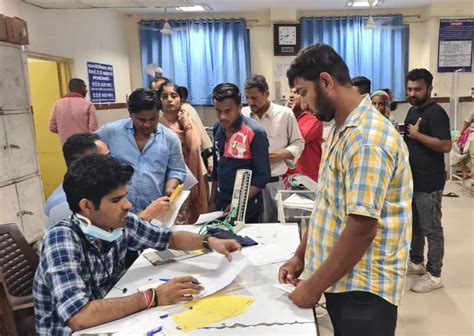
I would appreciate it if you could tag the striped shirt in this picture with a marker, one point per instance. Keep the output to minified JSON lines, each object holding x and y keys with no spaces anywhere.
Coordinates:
{"x":72,"y":272}
{"x":364,"y":171}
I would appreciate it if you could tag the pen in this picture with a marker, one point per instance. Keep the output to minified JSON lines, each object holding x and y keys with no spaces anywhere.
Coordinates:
{"x":177,"y":310}
{"x":154,"y":331}
{"x":195,"y":282}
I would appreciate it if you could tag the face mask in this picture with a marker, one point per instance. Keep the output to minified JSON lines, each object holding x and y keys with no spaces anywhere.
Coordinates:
{"x":96,"y":232}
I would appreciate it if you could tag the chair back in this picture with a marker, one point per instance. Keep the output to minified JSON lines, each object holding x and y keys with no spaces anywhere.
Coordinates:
{"x":18,"y":262}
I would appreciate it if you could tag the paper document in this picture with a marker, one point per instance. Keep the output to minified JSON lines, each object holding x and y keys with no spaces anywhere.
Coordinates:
{"x":207,"y":217}
{"x":215,"y":280}
{"x":190,"y":180}
{"x":135,"y":324}
{"x":286,"y":287}
{"x":296,"y":201}
{"x":212,"y":309}
{"x":168,"y":220}
{"x":265,"y":254}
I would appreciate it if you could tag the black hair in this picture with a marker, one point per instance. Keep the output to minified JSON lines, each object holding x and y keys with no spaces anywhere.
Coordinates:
{"x":363,"y":83}
{"x":141,"y":99}
{"x":183,"y":93}
{"x":420,"y":74}
{"x":76,"y":85}
{"x":92,"y":177}
{"x":317,"y":58}
{"x":77,"y":145}
{"x":175,"y":87}
{"x":227,"y":91}
{"x":155,"y":80}
{"x":256,"y":81}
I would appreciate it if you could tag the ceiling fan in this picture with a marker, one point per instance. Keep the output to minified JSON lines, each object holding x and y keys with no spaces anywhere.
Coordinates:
{"x":167,"y":29}
{"x":381,"y":23}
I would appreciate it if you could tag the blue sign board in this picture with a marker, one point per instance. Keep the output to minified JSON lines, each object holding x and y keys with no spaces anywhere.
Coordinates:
{"x":455,"y":45}
{"x":101,"y":82}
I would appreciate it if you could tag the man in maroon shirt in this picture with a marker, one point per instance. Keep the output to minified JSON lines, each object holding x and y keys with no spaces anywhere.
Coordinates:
{"x":312,"y":131}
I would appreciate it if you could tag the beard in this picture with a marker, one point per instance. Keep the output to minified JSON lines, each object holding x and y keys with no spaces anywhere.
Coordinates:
{"x":419,"y":101}
{"x":324,"y":109}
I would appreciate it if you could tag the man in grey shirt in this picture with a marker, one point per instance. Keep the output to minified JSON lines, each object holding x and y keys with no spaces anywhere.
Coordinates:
{"x":286,"y":142}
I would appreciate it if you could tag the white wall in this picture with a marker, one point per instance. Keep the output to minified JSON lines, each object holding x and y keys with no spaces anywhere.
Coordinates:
{"x":79,"y":35}
{"x":109,"y":37}
{"x":423,"y":45}
{"x":10,"y":7}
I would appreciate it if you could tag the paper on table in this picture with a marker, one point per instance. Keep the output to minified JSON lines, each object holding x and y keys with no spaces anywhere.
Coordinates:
{"x":264,"y":254}
{"x":207,"y":217}
{"x":215,"y":280}
{"x":190,"y":180}
{"x":172,"y":213}
{"x":212,"y":309}
{"x":135,"y":324}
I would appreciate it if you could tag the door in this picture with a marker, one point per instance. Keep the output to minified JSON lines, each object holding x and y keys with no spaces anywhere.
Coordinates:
{"x":20,"y":144}
{"x":31,"y":208}
{"x":43,"y":97}
{"x":13,"y":91}
{"x":5,"y":172}
{"x":9,"y":206}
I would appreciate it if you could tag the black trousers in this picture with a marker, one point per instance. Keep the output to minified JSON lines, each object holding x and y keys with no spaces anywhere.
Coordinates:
{"x":361,"y":313}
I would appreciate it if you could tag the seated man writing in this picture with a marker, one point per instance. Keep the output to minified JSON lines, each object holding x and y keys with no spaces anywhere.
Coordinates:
{"x":82,"y":256}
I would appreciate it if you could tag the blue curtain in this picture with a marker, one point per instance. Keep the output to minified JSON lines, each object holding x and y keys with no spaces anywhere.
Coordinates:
{"x":380,"y":54}
{"x":199,"y":54}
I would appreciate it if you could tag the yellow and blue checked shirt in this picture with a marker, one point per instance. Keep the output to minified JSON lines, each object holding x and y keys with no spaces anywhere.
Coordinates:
{"x":364,"y":171}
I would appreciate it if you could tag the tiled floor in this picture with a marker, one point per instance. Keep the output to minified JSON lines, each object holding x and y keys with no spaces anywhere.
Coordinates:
{"x":448,"y":311}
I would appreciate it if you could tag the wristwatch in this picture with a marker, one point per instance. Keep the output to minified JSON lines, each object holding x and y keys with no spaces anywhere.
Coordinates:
{"x":205,"y":243}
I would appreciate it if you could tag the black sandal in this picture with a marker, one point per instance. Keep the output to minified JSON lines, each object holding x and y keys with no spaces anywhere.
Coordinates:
{"x":451,"y":194}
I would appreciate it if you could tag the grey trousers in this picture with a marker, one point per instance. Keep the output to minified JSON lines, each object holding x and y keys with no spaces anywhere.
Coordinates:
{"x":270,"y":209}
{"x":427,"y":223}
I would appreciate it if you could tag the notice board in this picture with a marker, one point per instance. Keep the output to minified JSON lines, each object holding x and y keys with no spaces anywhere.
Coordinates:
{"x":455,"y":46}
{"x":101,"y":82}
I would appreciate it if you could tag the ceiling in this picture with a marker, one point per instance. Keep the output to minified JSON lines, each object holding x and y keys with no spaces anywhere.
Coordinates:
{"x":156,"y":6}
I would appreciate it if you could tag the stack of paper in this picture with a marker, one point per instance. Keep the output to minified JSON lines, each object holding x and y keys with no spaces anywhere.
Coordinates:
{"x":212,"y":309}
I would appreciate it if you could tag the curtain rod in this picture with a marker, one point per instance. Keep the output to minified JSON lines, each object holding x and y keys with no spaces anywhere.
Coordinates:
{"x":350,"y":16}
{"x":204,"y":19}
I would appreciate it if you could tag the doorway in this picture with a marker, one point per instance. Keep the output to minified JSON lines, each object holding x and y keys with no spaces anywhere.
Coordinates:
{"x":48,"y":79}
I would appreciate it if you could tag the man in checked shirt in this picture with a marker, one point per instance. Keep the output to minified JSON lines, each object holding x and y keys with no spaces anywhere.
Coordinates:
{"x":356,"y":248}
{"x":82,"y":256}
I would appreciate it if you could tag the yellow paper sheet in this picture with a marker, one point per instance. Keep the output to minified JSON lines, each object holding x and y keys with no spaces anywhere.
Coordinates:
{"x":212,"y":309}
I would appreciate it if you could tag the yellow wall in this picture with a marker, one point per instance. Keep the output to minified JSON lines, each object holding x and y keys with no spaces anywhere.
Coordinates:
{"x":45,"y":91}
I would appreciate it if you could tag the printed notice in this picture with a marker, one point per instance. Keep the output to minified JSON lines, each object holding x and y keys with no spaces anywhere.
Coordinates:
{"x":101,"y":82}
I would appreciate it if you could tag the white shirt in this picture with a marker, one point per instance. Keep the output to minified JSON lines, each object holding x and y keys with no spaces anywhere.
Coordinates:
{"x":282,"y":131}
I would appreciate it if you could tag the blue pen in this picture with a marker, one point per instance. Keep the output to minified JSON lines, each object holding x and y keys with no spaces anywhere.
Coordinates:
{"x":195,"y":282}
{"x":174,"y":311}
{"x":154,"y":331}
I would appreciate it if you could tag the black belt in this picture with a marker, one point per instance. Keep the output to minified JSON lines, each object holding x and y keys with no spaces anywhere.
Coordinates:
{"x":275,"y":179}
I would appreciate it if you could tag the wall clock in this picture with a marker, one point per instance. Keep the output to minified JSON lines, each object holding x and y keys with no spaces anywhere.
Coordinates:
{"x":286,"y":39}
